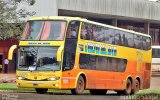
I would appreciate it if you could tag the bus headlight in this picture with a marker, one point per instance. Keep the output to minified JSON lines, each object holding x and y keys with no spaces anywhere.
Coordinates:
{"x":53,"y":78}
{"x":20,"y":78}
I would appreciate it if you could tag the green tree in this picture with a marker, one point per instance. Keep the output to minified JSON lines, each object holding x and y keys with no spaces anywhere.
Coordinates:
{"x":10,"y":23}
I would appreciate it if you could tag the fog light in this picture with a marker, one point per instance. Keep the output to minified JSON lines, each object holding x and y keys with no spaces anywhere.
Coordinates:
{"x":53,"y":78}
{"x":20,"y":78}
{"x":56,"y":85}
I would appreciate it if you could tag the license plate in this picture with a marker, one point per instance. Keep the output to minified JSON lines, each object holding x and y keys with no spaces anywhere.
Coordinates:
{"x":35,"y":84}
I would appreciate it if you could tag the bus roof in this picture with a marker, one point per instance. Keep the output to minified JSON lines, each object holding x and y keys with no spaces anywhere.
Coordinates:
{"x":55,"y":17}
{"x":85,"y":20}
{"x":156,"y":46}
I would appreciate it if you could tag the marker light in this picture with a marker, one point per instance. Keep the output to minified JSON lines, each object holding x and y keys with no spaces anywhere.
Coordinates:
{"x":53,"y":78}
{"x":20,"y":78}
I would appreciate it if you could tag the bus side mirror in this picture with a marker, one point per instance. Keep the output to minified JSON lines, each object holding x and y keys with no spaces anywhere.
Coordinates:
{"x":59,"y":53}
{"x":11,"y":50}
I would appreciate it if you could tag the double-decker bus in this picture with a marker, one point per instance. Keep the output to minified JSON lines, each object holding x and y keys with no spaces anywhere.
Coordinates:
{"x":156,"y":58}
{"x":77,"y":54}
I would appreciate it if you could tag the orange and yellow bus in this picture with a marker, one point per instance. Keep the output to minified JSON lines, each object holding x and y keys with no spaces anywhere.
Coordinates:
{"x":77,"y":54}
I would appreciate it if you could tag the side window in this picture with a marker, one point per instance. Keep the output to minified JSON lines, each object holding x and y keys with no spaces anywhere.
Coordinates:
{"x":95,"y":32}
{"x":124,"y":39}
{"x":109,"y":36}
{"x":113,"y":64}
{"x":89,"y":35}
{"x":86,"y":32}
{"x":144,"y":43}
{"x":92,"y":32}
{"x":87,"y":61}
{"x":92,"y":62}
{"x":129,"y":40}
{"x":84,"y":61}
{"x":100,"y":34}
{"x":121,"y":66}
{"x":138,"y":41}
{"x":148,"y":43}
{"x":117,"y":37}
{"x":73,"y":29}
{"x":101,"y":63}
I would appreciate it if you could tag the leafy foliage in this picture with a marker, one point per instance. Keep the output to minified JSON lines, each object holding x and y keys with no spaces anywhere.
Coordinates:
{"x":10,"y":23}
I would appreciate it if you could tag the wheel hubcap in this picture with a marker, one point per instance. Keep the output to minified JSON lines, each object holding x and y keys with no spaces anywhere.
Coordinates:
{"x":128,"y":87}
{"x":80,"y":84}
{"x":137,"y":86}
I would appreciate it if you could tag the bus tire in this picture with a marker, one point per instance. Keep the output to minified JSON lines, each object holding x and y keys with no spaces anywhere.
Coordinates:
{"x":128,"y":89}
{"x":136,"y":86}
{"x":120,"y":92}
{"x":41,"y":91}
{"x":98,"y":92}
{"x":79,"y":87}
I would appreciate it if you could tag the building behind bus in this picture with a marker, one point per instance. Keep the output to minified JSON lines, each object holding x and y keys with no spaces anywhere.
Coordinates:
{"x":132,"y":17}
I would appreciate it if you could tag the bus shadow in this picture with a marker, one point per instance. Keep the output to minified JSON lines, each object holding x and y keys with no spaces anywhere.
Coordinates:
{"x":108,"y":94}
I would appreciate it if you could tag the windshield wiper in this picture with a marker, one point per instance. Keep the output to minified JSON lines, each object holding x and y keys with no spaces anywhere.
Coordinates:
{"x":32,"y":68}
{"x":47,"y":68}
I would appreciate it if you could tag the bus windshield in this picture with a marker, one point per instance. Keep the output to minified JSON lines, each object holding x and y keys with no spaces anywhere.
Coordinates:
{"x":38,"y":58}
{"x":44,"y":30}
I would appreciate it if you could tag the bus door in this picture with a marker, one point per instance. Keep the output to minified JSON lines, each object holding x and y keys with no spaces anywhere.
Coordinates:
{"x":69,"y":56}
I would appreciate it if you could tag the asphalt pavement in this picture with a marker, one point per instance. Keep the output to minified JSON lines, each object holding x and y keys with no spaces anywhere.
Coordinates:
{"x":34,"y":96}
{"x":111,"y":95}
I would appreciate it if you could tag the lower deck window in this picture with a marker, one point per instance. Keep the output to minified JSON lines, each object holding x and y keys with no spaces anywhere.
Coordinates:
{"x":102,"y":63}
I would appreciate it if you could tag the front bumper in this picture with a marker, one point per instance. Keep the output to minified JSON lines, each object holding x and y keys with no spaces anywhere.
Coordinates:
{"x":38,"y":84}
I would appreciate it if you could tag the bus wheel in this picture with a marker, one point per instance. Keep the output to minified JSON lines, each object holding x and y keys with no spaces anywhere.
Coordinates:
{"x":119,"y":92}
{"x":41,"y":91}
{"x":79,"y":87}
{"x":98,"y":92}
{"x":128,"y":89}
{"x":136,"y":86}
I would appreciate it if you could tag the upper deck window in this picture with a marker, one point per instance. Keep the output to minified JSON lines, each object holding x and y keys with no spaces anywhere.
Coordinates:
{"x":114,"y":36}
{"x":44,"y":30}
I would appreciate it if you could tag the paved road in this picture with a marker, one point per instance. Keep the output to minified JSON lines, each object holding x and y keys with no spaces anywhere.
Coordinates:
{"x":155,"y":80}
{"x":51,"y":96}
{"x":111,"y":95}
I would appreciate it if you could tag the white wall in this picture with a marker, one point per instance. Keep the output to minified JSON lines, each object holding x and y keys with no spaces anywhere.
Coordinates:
{"x":142,"y":9}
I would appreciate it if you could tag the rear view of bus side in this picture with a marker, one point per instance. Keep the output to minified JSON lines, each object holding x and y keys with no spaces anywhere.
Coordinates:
{"x":155,"y":58}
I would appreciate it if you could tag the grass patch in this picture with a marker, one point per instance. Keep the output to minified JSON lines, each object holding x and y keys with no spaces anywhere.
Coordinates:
{"x":13,"y":87}
{"x":146,"y":94}
{"x":148,"y":91}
